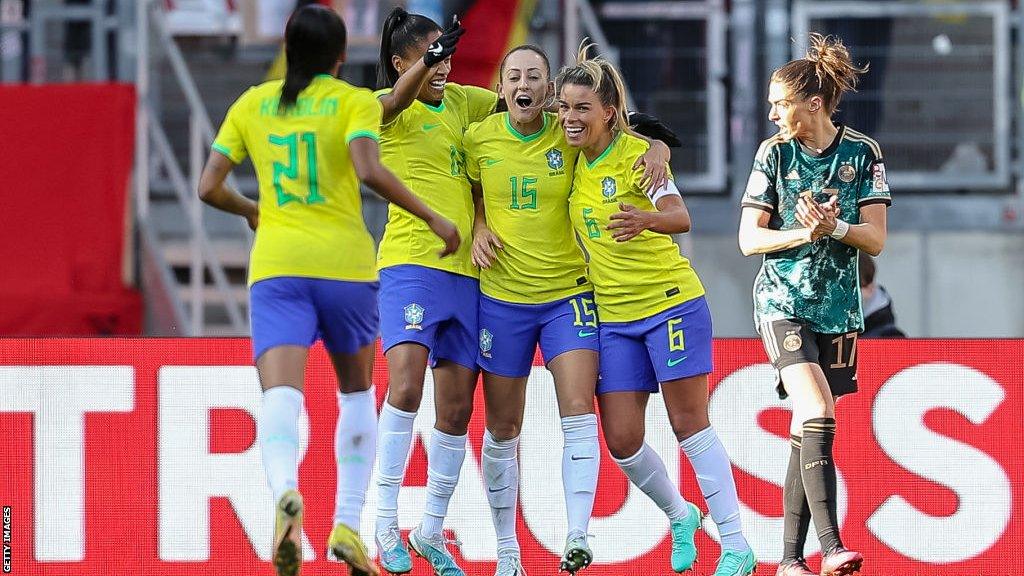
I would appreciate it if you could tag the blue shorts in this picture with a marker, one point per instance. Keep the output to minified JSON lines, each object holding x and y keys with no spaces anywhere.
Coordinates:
{"x":509,"y":333}
{"x":674,"y":344}
{"x":434,"y":308}
{"x":294,"y":311}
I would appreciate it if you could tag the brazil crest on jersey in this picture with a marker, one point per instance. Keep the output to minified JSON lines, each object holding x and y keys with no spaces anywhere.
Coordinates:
{"x":526,"y":182}
{"x":816,"y":283}
{"x":643,"y":276}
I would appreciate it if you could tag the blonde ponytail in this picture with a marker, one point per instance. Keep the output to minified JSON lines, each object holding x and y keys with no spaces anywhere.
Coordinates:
{"x":601,"y":76}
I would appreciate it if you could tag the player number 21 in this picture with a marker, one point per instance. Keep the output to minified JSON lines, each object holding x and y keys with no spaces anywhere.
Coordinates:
{"x":291,"y":170}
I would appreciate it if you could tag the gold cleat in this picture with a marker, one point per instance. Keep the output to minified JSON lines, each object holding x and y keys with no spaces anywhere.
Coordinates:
{"x":345,"y":545}
{"x":288,"y":534}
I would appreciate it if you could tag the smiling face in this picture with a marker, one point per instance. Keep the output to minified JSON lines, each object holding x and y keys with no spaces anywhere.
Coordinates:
{"x":433,"y":88}
{"x":792,"y":115}
{"x":583,"y":117}
{"x":525,"y":85}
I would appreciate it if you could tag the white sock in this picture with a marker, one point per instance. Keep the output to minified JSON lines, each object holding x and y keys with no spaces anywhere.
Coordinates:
{"x":501,"y":477}
{"x":394,"y":439}
{"x":646,"y":470}
{"x":355,"y":445}
{"x":444,"y":463}
{"x":581,"y":462}
{"x":277,"y":432}
{"x":714,"y":475}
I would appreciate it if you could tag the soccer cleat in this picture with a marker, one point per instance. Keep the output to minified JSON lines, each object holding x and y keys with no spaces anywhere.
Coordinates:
{"x":393,"y":555}
{"x":794,"y":568}
{"x":734,"y":563}
{"x":435,"y":551}
{"x":345,"y":545}
{"x":684,"y":553}
{"x":841,"y":562}
{"x":509,"y":564}
{"x":288,"y":534}
{"x":577,"y":553}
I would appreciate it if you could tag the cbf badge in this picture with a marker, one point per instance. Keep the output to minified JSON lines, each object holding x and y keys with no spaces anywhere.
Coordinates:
{"x":847,"y":173}
{"x":792,"y":341}
{"x":554,"y":157}
{"x":486,"y":342}
{"x":414,"y":317}
{"x":608,"y":188}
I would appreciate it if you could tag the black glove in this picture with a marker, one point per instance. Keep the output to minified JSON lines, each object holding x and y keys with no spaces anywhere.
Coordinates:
{"x":444,"y":46}
{"x":653,"y":128}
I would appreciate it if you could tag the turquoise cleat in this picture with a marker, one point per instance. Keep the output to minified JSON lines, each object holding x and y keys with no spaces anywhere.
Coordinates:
{"x":393,"y":555}
{"x":733,"y":563}
{"x":684,"y":553}
{"x":435,"y":551}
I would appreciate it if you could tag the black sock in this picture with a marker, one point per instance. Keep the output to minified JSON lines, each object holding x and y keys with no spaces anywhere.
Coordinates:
{"x":796,"y":512}
{"x":819,"y":475}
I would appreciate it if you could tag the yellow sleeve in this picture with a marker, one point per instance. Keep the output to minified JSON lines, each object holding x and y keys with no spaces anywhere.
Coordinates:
{"x":480,"y":102}
{"x":229,"y":140}
{"x":471,"y":145}
{"x":364,"y":116}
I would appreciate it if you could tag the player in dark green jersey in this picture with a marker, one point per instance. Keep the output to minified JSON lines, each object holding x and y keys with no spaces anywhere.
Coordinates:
{"x":817,"y":195}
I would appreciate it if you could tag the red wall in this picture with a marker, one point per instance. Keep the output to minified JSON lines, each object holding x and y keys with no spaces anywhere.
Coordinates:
{"x":66,"y":155}
{"x":137,"y":457}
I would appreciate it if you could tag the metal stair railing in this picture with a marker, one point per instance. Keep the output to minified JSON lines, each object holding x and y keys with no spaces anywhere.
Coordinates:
{"x":152,"y":138}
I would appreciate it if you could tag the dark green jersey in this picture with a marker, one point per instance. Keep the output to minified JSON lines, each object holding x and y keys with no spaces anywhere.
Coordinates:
{"x":815,"y":283}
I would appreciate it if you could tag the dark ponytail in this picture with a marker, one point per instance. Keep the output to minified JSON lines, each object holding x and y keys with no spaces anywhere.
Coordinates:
{"x":314,"y":40}
{"x":402,"y":31}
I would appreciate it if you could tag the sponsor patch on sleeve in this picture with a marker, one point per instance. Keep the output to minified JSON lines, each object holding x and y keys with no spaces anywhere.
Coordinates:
{"x":878,"y":180}
{"x":757,"y":185}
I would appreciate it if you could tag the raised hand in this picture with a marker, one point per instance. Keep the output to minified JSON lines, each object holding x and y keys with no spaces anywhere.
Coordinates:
{"x":444,"y":46}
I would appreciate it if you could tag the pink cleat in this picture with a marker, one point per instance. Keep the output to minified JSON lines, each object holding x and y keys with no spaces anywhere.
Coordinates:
{"x":841,"y":562}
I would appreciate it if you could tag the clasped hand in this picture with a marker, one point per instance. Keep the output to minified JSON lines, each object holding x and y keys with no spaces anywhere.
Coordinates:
{"x":818,"y":218}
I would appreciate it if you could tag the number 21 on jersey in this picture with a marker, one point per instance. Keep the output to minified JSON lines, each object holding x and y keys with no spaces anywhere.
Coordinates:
{"x":292,"y":168}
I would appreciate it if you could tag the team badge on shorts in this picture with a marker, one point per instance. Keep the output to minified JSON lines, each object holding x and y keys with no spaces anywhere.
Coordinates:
{"x":847,"y":173}
{"x":608,"y":188}
{"x":413,"y":317}
{"x":792,"y":341}
{"x":486,"y":342}
{"x":554,"y":157}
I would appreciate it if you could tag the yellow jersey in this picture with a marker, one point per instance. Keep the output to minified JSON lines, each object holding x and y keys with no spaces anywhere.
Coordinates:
{"x":526,"y":182}
{"x":311,"y":219}
{"x":423,"y":147}
{"x":639,"y":278}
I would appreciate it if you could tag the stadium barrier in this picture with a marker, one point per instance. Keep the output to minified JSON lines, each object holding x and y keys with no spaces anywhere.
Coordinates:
{"x":136,"y":456}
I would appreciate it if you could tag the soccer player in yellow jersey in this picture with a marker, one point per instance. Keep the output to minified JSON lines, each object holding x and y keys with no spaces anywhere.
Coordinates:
{"x":427,"y":305}
{"x":807,"y":295}
{"x":534,"y":290}
{"x":312,"y":275}
{"x":655,"y":324}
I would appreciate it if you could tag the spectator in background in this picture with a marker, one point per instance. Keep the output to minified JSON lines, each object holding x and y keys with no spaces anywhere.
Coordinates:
{"x":879,"y":320}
